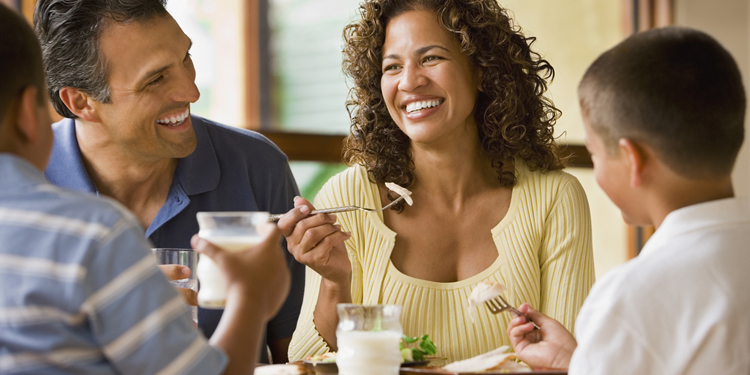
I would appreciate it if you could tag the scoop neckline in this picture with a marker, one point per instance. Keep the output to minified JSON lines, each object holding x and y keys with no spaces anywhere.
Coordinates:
{"x":497,"y":229}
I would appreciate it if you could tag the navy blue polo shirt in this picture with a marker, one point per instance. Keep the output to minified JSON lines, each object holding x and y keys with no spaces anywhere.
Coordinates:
{"x":231,"y":169}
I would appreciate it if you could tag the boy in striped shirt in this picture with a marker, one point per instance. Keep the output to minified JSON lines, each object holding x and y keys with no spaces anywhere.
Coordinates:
{"x":81,"y":292}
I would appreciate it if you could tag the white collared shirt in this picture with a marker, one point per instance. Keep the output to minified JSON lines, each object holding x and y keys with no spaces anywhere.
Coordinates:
{"x":681,"y":307}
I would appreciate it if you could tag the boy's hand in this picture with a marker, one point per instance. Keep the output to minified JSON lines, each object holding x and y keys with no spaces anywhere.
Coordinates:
{"x":550,"y":347}
{"x":257,"y":275}
{"x":175,"y":272}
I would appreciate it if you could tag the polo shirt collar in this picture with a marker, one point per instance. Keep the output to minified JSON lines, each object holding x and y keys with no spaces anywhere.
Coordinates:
{"x":68,"y":171}
{"x":197,"y":173}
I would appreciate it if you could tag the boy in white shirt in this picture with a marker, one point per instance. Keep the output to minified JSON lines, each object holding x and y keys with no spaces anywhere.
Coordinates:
{"x":664,"y":116}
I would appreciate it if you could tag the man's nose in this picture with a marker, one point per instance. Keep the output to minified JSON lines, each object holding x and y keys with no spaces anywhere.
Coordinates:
{"x":187,"y":90}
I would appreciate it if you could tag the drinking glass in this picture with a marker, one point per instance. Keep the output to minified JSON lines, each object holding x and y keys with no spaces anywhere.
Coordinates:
{"x":231,"y":231}
{"x":183,"y":257}
{"x":368,"y":339}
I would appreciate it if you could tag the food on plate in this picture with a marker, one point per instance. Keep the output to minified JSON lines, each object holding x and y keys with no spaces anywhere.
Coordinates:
{"x":496,"y":360}
{"x":424,"y":347}
{"x":404,"y":192}
{"x":280,"y":370}
{"x":483,"y":292}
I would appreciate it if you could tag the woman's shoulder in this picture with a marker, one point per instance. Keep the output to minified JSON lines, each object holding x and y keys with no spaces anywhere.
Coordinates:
{"x":549,"y":186}
{"x":349,"y":187}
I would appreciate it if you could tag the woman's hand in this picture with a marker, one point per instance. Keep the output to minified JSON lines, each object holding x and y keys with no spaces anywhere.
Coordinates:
{"x":317,"y":242}
{"x":550,"y":347}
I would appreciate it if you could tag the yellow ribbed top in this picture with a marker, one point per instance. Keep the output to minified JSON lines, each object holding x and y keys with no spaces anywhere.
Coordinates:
{"x":544,"y":258}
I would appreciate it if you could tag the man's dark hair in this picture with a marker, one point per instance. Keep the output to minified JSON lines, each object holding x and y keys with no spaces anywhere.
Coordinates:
{"x":69,"y":32}
{"x":674,"y":89}
{"x":20,"y":60}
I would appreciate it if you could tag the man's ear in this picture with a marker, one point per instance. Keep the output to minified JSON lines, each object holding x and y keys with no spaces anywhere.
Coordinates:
{"x":79,"y":103}
{"x":636,"y":159}
{"x":26,"y":123}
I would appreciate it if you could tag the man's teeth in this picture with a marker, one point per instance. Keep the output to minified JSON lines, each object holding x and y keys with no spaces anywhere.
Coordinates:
{"x":174,"y":119}
{"x":418,"y":106}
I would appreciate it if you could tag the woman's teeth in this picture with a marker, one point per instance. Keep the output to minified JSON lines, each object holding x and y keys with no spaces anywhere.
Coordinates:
{"x":418,"y":106}
{"x":174,"y":120}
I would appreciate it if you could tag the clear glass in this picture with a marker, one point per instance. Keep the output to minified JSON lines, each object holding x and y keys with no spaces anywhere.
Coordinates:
{"x":368,"y":339}
{"x":183,"y":257}
{"x":231,"y":231}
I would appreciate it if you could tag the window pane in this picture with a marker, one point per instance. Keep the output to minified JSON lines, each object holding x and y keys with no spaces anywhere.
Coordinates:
{"x":305,"y":45}
{"x":215,"y":27}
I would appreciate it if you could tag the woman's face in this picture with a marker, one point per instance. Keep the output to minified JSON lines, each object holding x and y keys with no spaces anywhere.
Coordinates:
{"x":428,"y":84}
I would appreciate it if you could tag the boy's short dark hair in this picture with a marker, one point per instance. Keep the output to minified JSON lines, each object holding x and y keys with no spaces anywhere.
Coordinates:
{"x":676,"y":90}
{"x":69,"y":33}
{"x":20,"y":59}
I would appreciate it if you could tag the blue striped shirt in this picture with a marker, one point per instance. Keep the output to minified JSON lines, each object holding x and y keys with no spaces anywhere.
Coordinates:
{"x":80,"y":292}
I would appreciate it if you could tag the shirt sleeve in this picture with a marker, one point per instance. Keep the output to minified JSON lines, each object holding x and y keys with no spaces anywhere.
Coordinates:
{"x":307,"y":340}
{"x":566,"y":255}
{"x":283,"y":323}
{"x":137,"y":317}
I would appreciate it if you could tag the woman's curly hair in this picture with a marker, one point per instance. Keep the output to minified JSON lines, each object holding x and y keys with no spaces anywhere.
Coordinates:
{"x":514,"y":119}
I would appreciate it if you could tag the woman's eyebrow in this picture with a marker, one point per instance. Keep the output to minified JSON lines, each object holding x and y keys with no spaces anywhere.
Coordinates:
{"x":419,"y":51}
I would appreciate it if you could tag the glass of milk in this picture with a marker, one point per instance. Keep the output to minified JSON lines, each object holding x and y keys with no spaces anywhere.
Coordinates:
{"x":368,"y":339}
{"x":231,"y":231}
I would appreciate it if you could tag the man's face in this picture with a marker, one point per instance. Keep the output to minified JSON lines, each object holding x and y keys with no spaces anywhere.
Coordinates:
{"x":152,"y":81}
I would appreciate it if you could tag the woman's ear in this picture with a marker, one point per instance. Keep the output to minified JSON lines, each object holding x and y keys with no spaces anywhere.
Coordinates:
{"x":79,"y":103}
{"x":636,"y":159}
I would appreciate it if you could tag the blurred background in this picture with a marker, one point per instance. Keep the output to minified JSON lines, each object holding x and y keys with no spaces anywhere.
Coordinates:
{"x":275,"y":66}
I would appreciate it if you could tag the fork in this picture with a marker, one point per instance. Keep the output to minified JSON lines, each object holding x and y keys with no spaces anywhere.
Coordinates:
{"x":276,"y":217}
{"x":499,"y":304}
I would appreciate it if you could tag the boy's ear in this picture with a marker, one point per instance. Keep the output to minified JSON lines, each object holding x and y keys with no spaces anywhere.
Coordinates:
{"x":26,"y":122}
{"x":636,"y":159}
{"x":79,"y":103}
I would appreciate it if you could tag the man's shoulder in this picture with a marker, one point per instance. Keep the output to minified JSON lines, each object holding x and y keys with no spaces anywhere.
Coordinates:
{"x":248,"y":141}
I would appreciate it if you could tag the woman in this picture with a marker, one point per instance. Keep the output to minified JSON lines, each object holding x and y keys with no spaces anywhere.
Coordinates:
{"x":447,"y":102}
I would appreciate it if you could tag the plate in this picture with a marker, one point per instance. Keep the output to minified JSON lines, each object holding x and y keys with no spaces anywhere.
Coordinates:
{"x":330,"y":367}
{"x":439,"y":371}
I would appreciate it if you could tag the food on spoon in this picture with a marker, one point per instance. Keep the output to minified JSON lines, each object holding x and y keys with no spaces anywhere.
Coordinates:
{"x":483,"y":292}
{"x":404,"y":192}
{"x":496,"y":360}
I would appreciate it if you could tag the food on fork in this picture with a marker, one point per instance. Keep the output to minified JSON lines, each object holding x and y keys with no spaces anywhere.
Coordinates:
{"x":404,"y":192}
{"x":329,"y":357}
{"x":483,"y":292}
{"x":496,"y":360}
{"x":289,"y":369}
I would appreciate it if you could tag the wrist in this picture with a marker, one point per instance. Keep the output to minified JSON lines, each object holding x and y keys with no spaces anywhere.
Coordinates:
{"x":337,"y":290}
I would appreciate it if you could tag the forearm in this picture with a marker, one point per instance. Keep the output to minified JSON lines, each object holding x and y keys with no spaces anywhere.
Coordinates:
{"x":239,"y":333}
{"x":325,"y":316}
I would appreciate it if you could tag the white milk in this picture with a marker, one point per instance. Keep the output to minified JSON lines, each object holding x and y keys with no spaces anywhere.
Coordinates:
{"x":213,"y":292}
{"x":368,"y":353}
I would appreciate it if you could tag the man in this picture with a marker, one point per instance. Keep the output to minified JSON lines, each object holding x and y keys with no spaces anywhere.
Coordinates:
{"x":121,"y":74}
{"x":81,"y":290}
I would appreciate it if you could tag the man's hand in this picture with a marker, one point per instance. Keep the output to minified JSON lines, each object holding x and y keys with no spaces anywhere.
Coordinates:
{"x":550,"y":347}
{"x":178,"y":272}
